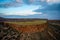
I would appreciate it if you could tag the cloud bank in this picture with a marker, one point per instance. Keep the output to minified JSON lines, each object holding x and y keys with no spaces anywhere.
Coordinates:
{"x":53,"y":1}
{"x":23,"y":11}
{"x":30,"y":9}
{"x":17,"y":3}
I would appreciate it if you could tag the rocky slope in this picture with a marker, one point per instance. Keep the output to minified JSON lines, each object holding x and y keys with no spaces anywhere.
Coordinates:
{"x":45,"y":31}
{"x":8,"y":33}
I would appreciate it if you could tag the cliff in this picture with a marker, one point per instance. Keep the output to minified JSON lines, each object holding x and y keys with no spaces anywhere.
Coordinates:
{"x":29,"y":31}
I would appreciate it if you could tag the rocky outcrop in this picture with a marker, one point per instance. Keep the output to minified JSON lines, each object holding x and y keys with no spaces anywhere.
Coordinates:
{"x":8,"y":33}
{"x":30,"y":32}
{"x":43,"y":31}
{"x":28,"y":28}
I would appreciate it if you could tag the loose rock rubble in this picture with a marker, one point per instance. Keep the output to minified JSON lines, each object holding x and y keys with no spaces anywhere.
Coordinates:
{"x":7,"y":33}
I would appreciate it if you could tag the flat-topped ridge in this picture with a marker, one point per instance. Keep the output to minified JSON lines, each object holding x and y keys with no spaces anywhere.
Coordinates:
{"x":29,"y":22}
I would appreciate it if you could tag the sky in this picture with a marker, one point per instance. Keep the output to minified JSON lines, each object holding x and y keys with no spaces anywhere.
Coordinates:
{"x":46,"y":9}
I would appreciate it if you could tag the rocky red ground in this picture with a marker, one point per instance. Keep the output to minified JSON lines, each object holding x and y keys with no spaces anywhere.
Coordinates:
{"x":28,"y":28}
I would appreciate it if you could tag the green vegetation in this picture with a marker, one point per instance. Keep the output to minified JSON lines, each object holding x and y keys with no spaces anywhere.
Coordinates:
{"x":29,"y":22}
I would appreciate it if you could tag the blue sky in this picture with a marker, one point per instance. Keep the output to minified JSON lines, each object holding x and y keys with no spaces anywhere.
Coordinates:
{"x":49,"y":9}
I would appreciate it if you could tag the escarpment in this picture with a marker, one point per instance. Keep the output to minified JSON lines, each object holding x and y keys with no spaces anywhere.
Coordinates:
{"x":28,"y":27}
{"x":29,"y":30}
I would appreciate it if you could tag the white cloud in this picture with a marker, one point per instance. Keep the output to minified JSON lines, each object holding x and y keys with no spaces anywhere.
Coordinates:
{"x":53,"y":1}
{"x":23,"y":10}
{"x":23,"y":13}
{"x":42,"y":0}
{"x":19,"y":1}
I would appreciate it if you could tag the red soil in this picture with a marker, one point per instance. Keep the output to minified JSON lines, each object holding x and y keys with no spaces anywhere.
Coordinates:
{"x":28,"y":28}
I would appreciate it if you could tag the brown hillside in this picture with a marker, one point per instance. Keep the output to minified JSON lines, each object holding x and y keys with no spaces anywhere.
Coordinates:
{"x":28,"y":28}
